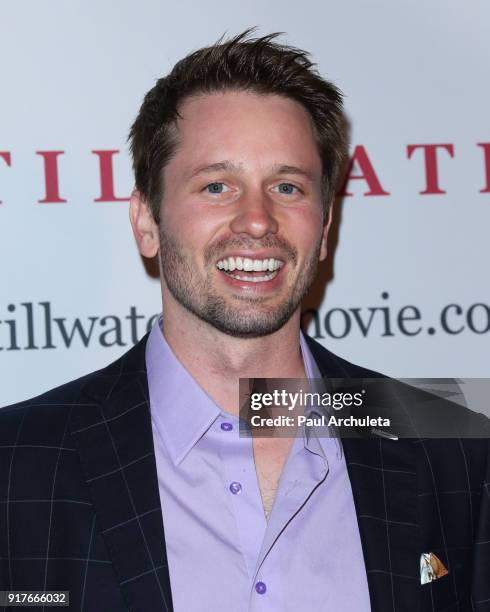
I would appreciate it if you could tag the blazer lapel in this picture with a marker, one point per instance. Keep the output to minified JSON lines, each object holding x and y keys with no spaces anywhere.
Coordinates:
{"x":383,"y":478}
{"x":112,"y":430}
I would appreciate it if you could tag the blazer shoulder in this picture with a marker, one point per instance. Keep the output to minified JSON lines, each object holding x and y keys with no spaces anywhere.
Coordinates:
{"x":44,"y":413}
{"x":44,"y":407}
{"x":425,"y":412}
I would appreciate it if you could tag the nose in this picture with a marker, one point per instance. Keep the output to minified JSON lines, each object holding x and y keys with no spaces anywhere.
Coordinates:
{"x":254,"y":215}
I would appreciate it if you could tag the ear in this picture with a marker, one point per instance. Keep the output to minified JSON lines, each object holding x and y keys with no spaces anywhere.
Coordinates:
{"x":326,"y":227}
{"x":145,"y":229}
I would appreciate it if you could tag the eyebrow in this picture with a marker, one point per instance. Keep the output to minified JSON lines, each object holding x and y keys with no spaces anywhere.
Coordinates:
{"x":285,"y":169}
{"x":228,"y":166}
{"x":225,"y":165}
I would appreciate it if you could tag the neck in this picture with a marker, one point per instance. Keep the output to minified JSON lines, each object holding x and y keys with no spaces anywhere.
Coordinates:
{"x":217,"y":360}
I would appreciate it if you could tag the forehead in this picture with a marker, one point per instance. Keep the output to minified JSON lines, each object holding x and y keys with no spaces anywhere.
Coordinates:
{"x":248,"y":128}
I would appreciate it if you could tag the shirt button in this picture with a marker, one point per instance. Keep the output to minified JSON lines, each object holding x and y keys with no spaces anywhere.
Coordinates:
{"x":235,"y":487}
{"x":226,"y":426}
{"x":260,"y":587}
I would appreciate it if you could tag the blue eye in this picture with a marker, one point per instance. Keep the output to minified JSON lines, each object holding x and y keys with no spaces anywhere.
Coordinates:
{"x":287,"y":188}
{"x":216,"y":188}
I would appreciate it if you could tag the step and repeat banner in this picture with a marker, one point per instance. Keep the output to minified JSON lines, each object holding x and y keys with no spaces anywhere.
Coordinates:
{"x":406,"y":289}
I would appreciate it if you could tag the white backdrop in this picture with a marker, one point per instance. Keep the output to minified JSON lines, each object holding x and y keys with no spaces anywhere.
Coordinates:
{"x":414,"y":72}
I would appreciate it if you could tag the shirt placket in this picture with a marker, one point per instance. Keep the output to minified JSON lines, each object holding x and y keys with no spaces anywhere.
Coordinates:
{"x":242,"y":490}
{"x":304,"y":471}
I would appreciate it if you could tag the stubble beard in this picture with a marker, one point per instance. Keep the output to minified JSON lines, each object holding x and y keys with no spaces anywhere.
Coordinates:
{"x":228,"y":314}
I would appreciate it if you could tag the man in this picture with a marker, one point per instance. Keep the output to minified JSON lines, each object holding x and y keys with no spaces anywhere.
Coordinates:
{"x":131,"y":487}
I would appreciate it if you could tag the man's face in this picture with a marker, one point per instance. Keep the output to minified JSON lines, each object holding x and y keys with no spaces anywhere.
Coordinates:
{"x":241,"y":229}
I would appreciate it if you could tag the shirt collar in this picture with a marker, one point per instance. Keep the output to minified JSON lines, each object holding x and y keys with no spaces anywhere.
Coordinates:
{"x":311,"y":368}
{"x":180,"y":408}
{"x":182,"y":411}
{"x":316,"y":439}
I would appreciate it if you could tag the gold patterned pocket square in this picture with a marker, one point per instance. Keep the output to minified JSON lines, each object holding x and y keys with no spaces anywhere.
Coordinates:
{"x":431,"y":568}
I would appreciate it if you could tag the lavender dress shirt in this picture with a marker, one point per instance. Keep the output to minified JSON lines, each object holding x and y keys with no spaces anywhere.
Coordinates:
{"x":224,"y":556}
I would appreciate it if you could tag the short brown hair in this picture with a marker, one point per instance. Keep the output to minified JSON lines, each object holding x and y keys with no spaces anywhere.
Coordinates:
{"x":260,"y":65}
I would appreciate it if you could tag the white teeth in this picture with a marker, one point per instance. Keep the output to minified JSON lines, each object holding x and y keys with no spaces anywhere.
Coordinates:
{"x":255,"y":279}
{"x":249,"y":265}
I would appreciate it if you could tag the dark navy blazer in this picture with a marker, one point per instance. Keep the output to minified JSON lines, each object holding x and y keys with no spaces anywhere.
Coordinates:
{"x":80,"y":508}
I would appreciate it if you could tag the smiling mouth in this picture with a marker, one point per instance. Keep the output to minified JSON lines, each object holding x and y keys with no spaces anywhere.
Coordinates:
{"x":249,"y":269}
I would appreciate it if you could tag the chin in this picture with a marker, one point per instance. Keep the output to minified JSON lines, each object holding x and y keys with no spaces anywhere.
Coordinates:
{"x":244,"y":327}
